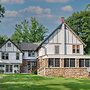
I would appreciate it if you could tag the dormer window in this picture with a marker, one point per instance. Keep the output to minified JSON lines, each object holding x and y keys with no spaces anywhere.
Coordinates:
{"x":31,"y":54}
{"x":9,"y":44}
{"x":76,"y":48}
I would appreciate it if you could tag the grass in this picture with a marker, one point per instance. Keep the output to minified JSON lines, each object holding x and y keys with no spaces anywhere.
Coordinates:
{"x":34,"y":82}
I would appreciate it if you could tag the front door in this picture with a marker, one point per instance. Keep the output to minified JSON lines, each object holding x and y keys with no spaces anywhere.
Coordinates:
{"x":9,"y":69}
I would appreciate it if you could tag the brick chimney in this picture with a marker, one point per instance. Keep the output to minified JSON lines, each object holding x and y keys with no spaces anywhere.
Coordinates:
{"x":62,"y":19}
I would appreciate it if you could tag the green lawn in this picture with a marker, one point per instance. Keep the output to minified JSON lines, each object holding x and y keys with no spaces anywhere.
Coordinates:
{"x":34,"y":82}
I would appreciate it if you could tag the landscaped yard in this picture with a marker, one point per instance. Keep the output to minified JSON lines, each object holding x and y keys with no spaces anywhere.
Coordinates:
{"x":34,"y":82}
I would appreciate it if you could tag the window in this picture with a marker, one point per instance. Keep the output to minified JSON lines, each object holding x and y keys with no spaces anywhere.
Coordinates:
{"x":16,"y":66}
{"x":69,"y":62}
{"x":84,"y":62}
{"x":57,"y":49}
{"x":57,"y":62}
{"x":76,"y":49}
{"x":1,"y":65}
{"x":5,"y":56}
{"x":73,"y":48}
{"x":50,"y":62}
{"x":66,"y":62}
{"x":87,"y":63}
{"x":17,"y":56}
{"x":72,"y":62}
{"x":81,"y":62}
{"x":31,"y":54}
{"x":54,"y":62}
{"x":9,"y":44}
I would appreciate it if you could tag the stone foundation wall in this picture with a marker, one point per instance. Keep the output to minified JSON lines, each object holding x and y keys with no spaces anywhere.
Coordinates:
{"x":75,"y":72}
{"x":67,"y":72}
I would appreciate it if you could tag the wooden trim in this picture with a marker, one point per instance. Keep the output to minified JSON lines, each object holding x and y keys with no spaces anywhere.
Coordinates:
{"x":76,"y":35}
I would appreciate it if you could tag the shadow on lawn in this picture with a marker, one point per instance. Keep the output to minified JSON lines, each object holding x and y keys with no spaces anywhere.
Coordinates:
{"x":80,"y":84}
{"x":23,"y":87}
{"x":67,"y":86}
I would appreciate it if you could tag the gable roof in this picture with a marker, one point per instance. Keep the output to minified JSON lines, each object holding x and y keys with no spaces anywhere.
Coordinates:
{"x":11,"y":42}
{"x":75,"y":34}
{"x":59,"y":27}
{"x":28,"y":46}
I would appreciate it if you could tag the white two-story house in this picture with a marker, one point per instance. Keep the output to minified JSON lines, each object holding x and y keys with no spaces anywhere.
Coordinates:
{"x":62,"y":54}
{"x":10,"y":57}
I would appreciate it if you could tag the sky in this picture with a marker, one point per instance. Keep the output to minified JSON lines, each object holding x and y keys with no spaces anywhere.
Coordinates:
{"x":47,"y":12}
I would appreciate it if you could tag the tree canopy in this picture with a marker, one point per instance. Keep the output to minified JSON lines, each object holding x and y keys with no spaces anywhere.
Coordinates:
{"x":29,"y":32}
{"x":2,"y":11}
{"x":2,"y":39}
{"x":80,"y":23}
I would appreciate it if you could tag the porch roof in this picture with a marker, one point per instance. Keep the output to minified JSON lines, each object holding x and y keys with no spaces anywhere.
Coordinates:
{"x":67,"y":56}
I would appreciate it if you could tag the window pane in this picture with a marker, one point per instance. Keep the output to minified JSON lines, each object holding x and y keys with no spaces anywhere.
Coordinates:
{"x":73,"y":50}
{"x":57,"y":62}
{"x":16,"y":66}
{"x":29,"y":54}
{"x":78,"y":50}
{"x":1,"y":65}
{"x":86,"y":62}
{"x":17,"y":56}
{"x":81,"y":62}
{"x":33,"y":53}
{"x":9,"y":45}
{"x":78,"y":46}
{"x":72,"y":62}
{"x":66,"y":62}
{"x":50,"y":62}
{"x":56,"y":49}
{"x":5,"y":56}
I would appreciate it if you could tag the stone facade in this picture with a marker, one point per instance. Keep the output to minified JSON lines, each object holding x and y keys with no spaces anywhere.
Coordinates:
{"x":74,"y":72}
{"x":28,"y":67}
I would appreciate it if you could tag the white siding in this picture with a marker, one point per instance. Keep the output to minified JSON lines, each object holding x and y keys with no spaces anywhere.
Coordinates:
{"x":65,"y":39}
{"x":12,"y":53}
{"x":25,"y":56}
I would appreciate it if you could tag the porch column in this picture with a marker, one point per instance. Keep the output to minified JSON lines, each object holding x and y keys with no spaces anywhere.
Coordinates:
{"x":46,"y":62}
{"x":12,"y":68}
{"x":62,"y":62}
{"x":77,"y":63}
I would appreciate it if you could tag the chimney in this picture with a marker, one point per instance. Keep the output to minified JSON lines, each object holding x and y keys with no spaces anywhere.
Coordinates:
{"x":62,"y":19}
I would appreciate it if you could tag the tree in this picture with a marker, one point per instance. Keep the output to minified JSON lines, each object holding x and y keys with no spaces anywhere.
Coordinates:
{"x":2,"y":39}
{"x":80,"y":23}
{"x":88,"y":7}
{"x":2,"y":11}
{"x":37,"y":31}
{"x":26,"y":32}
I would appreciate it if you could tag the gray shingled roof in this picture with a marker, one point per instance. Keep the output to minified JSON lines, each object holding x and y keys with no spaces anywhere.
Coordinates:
{"x":28,"y":46}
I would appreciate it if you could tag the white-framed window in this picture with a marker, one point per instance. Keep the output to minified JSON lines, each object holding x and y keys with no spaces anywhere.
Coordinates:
{"x":54,"y":62}
{"x":69,"y":62}
{"x":31,"y":53}
{"x":5,"y":56}
{"x":75,"y":48}
{"x":1,"y":65}
{"x":16,"y":66}
{"x":9,"y":44}
{"x":84,"y":62}
{"x":17,"y":56}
